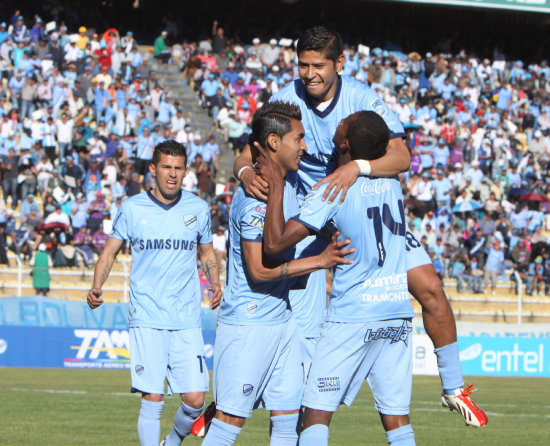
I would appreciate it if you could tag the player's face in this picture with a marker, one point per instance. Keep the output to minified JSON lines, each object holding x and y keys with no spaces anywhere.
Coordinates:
{"x":292,"y":147}
{"x":169,"y":174}
{"x":341,"y":142}
{"x":319,"y":74}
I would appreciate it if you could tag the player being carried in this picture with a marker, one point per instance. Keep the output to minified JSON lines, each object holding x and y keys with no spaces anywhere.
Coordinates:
{"x":325,"y":98}
{"x":166,"y":227}
{"x":257,"y":354}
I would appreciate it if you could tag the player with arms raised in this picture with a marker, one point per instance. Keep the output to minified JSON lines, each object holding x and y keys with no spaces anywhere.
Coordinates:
{"x":165,"y":227}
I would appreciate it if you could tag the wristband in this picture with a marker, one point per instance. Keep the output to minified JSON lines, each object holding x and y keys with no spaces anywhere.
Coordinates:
{"x":364,"y":167}
{"x":242,"y":169}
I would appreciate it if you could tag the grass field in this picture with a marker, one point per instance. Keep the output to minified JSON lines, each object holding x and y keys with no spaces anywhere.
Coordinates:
{"x":93,"y":407}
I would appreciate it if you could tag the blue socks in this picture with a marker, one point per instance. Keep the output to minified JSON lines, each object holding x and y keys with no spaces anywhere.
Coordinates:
{"x":183,"y":420}
{"x":149,"y":422}
{"x":402,"y":436}
{"x":450,"y":371}
{"x":316,"y":435}
{"x":221,"y":434}
{"x":284,"y":430}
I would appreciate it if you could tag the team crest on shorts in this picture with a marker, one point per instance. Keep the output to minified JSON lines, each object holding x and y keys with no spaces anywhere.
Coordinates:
{"x":247,"y":389}
{"x":190,"y":221}
{"x":139,"y":369}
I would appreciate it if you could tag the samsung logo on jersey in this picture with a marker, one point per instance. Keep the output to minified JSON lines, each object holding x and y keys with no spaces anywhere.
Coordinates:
{"x":375,"y":187}
{"x":157,"y":243}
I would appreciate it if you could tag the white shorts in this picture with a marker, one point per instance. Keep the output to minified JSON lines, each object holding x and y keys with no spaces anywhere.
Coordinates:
{"x":174,"y":355}
{"x":257,"y":365}
{"x":349,"y":353}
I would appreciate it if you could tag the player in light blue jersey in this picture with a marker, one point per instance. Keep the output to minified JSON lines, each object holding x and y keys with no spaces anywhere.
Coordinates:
{"x":368,"y":327}
{"x":325,"y":98}
{"x":166,"y":228}
{"x":257,"y":355}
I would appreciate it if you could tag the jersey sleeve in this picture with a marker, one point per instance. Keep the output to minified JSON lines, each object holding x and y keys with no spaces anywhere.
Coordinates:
{"x":120,"y":229}
{"x":314,"y":212}
{"x":252,"y":222}
{"x":371,"y":101}
{"x":205,"y":235}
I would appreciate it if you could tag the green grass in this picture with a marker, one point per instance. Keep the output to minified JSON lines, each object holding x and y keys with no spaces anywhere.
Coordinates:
{"x":94,"y":407}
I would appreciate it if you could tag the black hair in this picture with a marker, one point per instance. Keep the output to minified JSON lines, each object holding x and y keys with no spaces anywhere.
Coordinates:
{"x":368,"y":136}
{"x":322,"y":40}
{"x":169,"y":147}
{"x":273,"y":117}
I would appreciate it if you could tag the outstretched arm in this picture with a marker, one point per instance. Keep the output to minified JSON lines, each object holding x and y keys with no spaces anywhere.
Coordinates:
{"x":263,"y":269}
{"x":396,"y":160}
{"x":102,"y":270}
{"x":211,"y":269}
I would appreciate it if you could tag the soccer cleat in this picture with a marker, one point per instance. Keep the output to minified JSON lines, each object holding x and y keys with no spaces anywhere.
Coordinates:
{"x":162,"y":442}
{"x":462,"y":403}
{"x":200,"y":426}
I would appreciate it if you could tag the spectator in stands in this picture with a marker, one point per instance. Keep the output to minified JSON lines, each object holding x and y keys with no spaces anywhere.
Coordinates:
{"x":41,"y":263}
{"x":161,"y":51}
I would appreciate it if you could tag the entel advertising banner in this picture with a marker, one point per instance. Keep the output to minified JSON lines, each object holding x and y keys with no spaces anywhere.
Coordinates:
{"x":45,"y":332}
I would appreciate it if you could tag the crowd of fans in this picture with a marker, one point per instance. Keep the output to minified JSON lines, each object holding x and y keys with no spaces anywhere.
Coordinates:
{"x":80,"y":114}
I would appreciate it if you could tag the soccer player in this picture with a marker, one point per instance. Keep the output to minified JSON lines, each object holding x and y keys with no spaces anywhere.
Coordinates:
{"x":325,"y":98}
{"x":257,"y":355}
{"x":367,"y":331}
{"x":166,"y":228}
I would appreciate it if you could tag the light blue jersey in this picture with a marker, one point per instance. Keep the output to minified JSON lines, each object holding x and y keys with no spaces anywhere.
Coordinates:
{"x":247,"y":302}
{"x":374,"y":287}
{"x":322,"y":156}
{"x":164,"y":282}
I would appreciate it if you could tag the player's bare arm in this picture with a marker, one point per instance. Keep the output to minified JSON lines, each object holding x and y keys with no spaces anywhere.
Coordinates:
{"x":263,"y":269}
{"x":102,"y":270}
{"x":212,"y":271}
{"x":253,"y":184}
{"x":396,"y":160}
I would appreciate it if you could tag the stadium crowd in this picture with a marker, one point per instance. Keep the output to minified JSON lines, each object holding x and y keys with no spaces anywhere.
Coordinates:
{"x":81,"y":112}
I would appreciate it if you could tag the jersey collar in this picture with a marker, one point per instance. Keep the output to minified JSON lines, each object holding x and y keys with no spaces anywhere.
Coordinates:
{"x":321,"y":114}
{"x":164,"y":206}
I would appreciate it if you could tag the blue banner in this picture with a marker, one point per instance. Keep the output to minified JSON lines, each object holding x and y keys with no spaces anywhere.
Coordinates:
{"x":48,"y":312}
{"x":505,"y":356}
{"x":73,"y":347}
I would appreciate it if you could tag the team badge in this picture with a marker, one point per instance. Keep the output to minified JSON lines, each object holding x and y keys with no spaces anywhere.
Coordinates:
{"x":139,"y":369}
{"x":251,"y":308}
{"x":190,"y":221}
{"x":247,"y":389}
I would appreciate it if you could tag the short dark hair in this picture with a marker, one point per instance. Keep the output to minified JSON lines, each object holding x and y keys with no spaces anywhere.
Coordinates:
{"x":274,"y":117}
{"x":323,"y":40}
{"x":169,"y":147}
{"x":368,"y":136}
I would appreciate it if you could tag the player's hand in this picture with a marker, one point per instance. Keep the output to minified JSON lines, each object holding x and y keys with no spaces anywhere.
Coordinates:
{"x":266,"y":167}
{"x":254,"y":185}
{"x":339,"y":180}
{"x":216,"y":297}
{"x":334,"y":253}
{"x":94,"y":298}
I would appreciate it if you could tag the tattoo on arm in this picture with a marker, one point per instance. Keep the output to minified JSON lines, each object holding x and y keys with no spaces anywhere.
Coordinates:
{"x":283,"y":273}
{"x":210,"y":266}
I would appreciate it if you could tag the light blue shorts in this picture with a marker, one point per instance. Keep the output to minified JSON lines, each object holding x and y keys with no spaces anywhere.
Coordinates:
{"x":349,"y":353}
{"x":257,"y":366}
{"x":174,"y":355}
{"x":416,"y":255}
{"x":308,"y":348}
